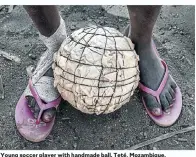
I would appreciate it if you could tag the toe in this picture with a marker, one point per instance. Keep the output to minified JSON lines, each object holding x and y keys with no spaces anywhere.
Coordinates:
{"x":172,"y":93}
{"x":33,"y":106}
{"x":173,"y":85}
{"x":48,"y":115}
{"x":30,"y":101}
{"x":169,"y":98}
{"x":156,"y":111}
{"x":153,"y":106}
{"x":164,"y":103}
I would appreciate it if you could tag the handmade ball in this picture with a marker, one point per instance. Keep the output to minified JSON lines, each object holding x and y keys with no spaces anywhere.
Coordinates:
{"x":96,"y":69}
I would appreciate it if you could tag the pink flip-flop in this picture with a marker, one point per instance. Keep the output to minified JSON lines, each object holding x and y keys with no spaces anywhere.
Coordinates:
{"x":30,"y":128}
{"x":166,"y":119}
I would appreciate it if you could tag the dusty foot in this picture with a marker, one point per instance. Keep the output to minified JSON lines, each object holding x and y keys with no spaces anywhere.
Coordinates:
{"x":151,"y":75}
{"x":48,"y":114}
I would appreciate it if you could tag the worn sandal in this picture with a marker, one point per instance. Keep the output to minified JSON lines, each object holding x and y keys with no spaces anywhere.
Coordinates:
{"x":166,"y":119}
{"x":32,"y":129}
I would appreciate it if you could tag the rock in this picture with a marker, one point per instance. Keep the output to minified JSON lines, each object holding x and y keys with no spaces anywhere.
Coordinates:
{"x":2,"y":7}
{"x":120,"y":20}
{"x":182,"y":140}
{"x":181,"y":32}
{"x":162,"y":33}
{"x":155,"y":148}
{"x":30,"y":70}
{"x":75,"y":138}
{"x":145,"y":134}
{"x":75,"y":145}
{"x":10,"y":57}
{"x":170,"y":28}
{"x":10,"y":8}
{"x":65,"y":118}
{"x":73,"y":27}
{"x":189,"y":62}
{"x":32,"y":56}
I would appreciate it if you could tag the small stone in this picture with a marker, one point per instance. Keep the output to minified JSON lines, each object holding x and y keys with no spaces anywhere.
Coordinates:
{"x":10,"y":8}
{"x":184,"y":125}
{"x":73,"y":27}
{"x":32,"y":56}
{"x":120,"y":20}
{"x":145,"y":134}
{"x":127,"y":142}
{"x":181,"y":32}
{"x":83,"y":18}
{"x":66,"y":118}
{"x":174,"y":27}
{"x":182,"y":140}
{"x":165,"y":41}
{"x":155,"y":148}
{"x":30,"y":70}
{"x":182,"y":58}
{"x":191,"y":98}
{"x":112,"y":146}
{"x":101,"y":22}
{"x":176,"y":142}
{"x":189,"y":62}
{"x":75,"y":145}
{"x":101,"y":139}
{"x":162,"y":33}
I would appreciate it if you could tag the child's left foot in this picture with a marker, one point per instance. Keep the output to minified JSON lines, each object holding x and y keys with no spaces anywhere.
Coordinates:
{"x":161,"y":96}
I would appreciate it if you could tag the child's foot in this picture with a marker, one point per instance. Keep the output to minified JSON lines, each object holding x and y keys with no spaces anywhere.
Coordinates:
{"x":151,"y":75}
{"x":36,"y":109}
{"x":48,"y":114}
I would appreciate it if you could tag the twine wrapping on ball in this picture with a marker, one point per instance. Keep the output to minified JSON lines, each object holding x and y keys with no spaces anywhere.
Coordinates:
{"x":96,"y":69}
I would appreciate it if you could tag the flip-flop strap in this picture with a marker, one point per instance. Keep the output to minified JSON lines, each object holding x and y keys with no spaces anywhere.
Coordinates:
{"x":157,"y":93}
{"x":43,"y":106}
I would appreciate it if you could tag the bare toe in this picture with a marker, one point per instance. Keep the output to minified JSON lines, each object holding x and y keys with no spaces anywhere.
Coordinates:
{"x":169,"y":98}
{"x":172,"y":93}
{"x":173,"y":85}
{"x":153,"y":106}
{"x":164,"y":103}
{"x":48,"y":115}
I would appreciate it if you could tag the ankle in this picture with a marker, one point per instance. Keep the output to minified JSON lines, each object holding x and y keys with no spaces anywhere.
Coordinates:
{"x":141,"y":40}
{"x":55,"y":40}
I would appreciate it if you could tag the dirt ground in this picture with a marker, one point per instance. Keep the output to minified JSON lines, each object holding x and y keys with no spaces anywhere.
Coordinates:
{"x":174,"y":35}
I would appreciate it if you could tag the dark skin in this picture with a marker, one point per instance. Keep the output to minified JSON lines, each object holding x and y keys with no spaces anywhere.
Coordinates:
{"x":46,"y":20}
{"x":142,"y":19}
